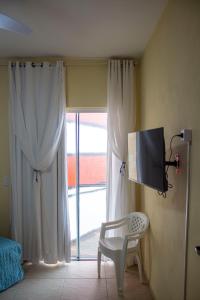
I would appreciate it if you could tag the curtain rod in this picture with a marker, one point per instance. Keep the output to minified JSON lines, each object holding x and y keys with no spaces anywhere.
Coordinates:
{"x":67,"y":64}
{"x":53,"y":63}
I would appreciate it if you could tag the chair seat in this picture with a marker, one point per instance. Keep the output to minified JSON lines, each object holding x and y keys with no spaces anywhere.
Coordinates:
{"x":116,"y":243}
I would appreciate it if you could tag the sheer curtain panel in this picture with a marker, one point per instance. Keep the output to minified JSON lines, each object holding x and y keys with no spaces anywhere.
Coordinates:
{"x":121,"y":120}
{"x":37,"y":143}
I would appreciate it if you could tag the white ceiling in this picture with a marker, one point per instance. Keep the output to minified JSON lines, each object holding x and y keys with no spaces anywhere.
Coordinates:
{"x":80,"y":28}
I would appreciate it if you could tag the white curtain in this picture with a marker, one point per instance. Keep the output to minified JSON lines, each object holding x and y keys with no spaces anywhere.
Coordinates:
{"x":121,"y":120}
{"x":39,"y":199}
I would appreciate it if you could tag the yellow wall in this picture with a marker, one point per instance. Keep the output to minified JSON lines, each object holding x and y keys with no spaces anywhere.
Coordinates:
{"x":170,"y":97}
{"x":85,"y":86}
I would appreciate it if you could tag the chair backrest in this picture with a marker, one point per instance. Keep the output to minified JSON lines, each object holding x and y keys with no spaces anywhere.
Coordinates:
{"x":137,"y":222}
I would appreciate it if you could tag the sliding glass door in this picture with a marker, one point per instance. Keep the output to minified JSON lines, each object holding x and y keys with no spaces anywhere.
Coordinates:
{"x":86,"y":155}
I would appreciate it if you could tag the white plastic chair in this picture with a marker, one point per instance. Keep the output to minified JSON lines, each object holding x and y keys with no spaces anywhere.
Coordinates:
{"x":117,"y":248}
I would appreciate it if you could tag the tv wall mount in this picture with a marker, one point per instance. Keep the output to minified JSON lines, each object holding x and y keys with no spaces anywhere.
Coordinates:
{"x":174,"y":163}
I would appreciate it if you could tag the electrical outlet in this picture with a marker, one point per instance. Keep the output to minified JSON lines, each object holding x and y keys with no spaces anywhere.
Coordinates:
{"x":187,"y":135}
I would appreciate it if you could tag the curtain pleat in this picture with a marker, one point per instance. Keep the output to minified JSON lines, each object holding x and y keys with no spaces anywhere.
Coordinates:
{"x":37,"y":140}
{"x":121,"y":121}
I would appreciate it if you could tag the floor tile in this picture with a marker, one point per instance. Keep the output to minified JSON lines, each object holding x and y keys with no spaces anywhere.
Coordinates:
{"x":87,"y":289}
{"x":133,"y":290}
{"x":83,"y":269}
{"x":8,"y":294}
{"x":75,"y":281}
{"x":39,"y":289}
{"x":110,"y":270}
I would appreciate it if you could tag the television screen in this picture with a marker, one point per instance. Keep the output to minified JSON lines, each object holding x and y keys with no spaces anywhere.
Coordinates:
{"x":146,"y":158}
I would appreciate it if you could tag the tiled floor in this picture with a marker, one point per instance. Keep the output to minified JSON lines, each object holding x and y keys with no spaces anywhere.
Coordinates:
{"x":75,"y":281}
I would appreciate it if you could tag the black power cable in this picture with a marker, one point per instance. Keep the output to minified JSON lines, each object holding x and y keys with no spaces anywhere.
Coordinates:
{"x":170,"y":186}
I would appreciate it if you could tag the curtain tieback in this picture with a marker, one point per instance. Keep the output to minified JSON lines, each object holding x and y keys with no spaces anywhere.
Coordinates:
{"x":36,"y":174}
{"x":123,"y":168}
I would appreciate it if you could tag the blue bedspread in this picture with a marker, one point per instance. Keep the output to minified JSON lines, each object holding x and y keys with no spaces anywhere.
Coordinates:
{"x":10,"y":263}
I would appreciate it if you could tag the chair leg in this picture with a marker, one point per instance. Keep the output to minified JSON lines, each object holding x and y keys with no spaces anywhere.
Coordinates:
{"x":139,"y":263}
{"x":99,"y":263}
{"x":119,"y":270}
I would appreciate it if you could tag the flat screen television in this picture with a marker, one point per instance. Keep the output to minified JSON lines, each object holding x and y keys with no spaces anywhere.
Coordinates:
{"x":146,"y":158}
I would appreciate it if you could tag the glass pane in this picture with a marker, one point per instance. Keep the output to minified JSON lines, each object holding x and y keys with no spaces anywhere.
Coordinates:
{"x":92,"y":164}
{"x":71,"y":163}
